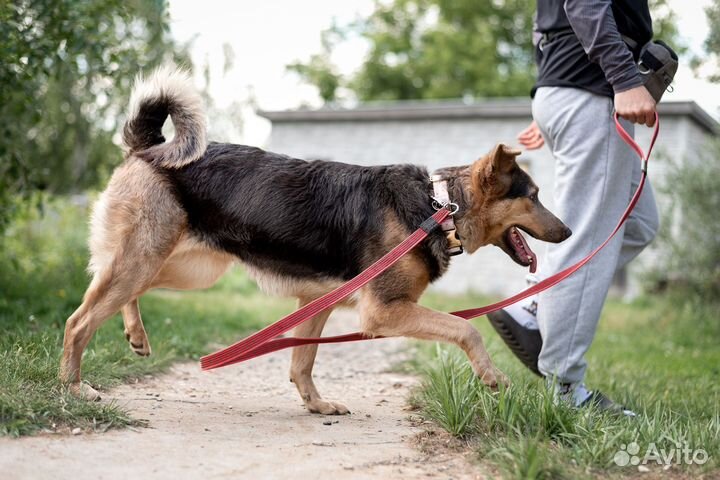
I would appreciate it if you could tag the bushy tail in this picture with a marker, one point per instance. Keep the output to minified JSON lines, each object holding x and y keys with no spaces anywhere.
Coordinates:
{"x":167,"y":91}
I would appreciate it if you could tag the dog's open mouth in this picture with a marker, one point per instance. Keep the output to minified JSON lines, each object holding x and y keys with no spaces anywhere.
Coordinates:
{"x":518,"y":249}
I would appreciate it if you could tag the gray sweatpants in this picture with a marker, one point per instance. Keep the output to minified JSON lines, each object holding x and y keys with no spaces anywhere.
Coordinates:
{"x":596,"y":174}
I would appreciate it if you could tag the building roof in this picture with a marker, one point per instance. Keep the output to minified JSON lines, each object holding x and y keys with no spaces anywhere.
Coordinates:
{"x":456,"y":109}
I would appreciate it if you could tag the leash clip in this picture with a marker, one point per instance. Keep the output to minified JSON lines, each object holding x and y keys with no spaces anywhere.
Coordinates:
{"x":438,"y":204}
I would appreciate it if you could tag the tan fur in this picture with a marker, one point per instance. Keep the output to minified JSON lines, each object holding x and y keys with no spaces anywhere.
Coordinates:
{"x":279,"y":285}
{"x":303,"y":359}
{"x":405,"y":318}
{"x":135,"y":227}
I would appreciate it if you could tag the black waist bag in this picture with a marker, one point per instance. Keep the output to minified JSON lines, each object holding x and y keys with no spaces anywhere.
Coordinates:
{"x":658,"y":64}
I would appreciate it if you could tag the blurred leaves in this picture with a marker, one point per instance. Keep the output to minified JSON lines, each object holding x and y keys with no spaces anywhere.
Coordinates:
{"x":434,"y":49}
{"x":66,"y":68}
{"x":431,"y":49}
{"x":711,"y":58}
{"x":690,"y":233}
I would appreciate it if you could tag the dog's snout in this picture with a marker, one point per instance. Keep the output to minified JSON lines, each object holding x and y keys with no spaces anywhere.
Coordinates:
{"x":559,"y":233}
{"x":566,"y":233}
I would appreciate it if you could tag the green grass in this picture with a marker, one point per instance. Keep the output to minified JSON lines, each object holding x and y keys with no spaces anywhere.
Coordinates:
{"x":659,"y":356}
{"x":42,"y":280}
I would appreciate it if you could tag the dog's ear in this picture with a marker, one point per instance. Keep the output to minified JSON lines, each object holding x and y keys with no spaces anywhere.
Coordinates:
{"x":487,"y":170}
{"x":502,"y":158}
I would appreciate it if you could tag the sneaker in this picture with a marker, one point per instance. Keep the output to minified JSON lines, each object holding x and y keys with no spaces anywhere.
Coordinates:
{"x":578,"y":396}
{"x":517,"y":326}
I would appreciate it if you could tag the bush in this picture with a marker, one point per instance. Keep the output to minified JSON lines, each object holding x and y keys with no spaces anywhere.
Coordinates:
{"x":690,"y":237}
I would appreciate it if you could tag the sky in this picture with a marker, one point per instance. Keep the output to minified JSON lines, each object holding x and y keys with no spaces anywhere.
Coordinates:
{"x":268,"y":35}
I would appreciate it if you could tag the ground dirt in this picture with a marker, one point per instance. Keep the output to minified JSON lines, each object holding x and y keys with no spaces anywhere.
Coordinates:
{"x":247,"y":421}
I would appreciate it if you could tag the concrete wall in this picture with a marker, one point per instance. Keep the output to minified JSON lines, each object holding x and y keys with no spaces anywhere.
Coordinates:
{"x":445,"y":142}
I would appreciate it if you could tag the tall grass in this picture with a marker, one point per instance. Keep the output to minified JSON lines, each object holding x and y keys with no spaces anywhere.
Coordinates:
{"x":658,"y":356}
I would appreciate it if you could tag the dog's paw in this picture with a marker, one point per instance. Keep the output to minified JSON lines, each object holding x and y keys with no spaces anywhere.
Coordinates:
{"x":139,"y":344}
{"x":324,"y":407}
{"x":494,"y":379}
{"x":84,"y":391}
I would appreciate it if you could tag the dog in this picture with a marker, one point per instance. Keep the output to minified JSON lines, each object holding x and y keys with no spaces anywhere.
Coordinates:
{"x":178,"y":214}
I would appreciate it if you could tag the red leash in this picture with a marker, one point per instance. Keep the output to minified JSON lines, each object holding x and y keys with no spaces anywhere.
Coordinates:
{"x":265,"y":340}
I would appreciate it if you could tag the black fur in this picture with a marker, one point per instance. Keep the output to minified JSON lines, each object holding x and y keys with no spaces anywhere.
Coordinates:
{"x":145,"y":129}
{"x":315,"y":219}
{"x":521,"y":185}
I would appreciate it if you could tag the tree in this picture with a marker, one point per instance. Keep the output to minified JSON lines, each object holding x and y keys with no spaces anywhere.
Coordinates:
{"x":435,"y":49}
{"x":67,"y":68}
{"x":428,"y":49}
{"x":711,"y":59}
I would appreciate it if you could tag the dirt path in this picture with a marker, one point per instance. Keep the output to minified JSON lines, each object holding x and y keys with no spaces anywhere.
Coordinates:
{"x":248,"y":421}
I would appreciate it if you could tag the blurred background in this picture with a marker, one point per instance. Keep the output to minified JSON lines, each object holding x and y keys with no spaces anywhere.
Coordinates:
{"x":434,"y":82}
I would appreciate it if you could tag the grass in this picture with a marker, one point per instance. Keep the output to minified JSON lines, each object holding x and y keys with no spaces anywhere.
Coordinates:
{"x":42,"y":280}
{"x":659,"y":356}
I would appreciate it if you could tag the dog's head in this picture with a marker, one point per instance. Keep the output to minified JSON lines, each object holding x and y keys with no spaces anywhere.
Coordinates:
{"x":501,"y":199}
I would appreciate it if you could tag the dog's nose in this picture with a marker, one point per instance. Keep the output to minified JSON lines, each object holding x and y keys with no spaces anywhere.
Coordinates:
{"x":566,"y":232}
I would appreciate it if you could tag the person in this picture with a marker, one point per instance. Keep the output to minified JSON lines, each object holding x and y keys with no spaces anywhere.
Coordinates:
{"x":586,"y":52}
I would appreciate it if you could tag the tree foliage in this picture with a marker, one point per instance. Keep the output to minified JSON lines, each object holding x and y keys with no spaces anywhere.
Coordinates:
{"x":435,"y":49}
{"x":428,"y":49}
{"x":712,"y":42}
{"x":66,"y":68}
{"x":690,"y":237}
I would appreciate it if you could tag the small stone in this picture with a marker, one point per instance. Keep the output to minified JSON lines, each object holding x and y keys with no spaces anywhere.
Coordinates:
{"x":320,"y":443}
{"x":76,"y":431}
{"x":327,"y":422}
{"x":643,"y":469}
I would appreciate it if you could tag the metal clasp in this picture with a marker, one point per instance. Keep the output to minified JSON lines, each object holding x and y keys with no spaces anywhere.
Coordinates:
{"x":452,"y":206}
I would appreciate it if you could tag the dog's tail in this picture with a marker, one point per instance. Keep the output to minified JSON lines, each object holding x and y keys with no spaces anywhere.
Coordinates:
{"x":167,"y":91}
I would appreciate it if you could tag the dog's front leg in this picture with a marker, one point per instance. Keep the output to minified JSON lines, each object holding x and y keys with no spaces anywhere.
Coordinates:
{"x":405,"y":318}
{"x":303,"y":359}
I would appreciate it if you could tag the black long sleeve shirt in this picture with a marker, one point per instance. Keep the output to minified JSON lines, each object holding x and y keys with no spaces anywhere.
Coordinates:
{"x":593,"y":56}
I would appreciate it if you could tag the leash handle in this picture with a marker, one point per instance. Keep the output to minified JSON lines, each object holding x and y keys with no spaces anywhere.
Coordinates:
{"x":266,"y":341}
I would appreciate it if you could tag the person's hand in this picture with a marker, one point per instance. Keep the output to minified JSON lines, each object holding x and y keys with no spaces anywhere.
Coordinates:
{"x":531,"y":138}
{"x":636,"y":105}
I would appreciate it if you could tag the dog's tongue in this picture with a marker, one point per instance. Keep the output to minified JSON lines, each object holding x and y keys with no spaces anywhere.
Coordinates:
{"x":527,"y":250}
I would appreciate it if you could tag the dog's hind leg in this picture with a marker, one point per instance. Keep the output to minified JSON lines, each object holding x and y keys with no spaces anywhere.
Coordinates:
{"x":134,"y":329}
{"x":301,"y":368}
{"x":111,"y":289}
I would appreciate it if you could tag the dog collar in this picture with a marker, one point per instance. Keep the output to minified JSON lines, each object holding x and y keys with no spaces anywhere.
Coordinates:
{"x":441,"y":198}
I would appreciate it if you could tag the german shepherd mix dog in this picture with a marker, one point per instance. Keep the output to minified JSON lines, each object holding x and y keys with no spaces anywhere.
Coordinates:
{"x":177,"y":214}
